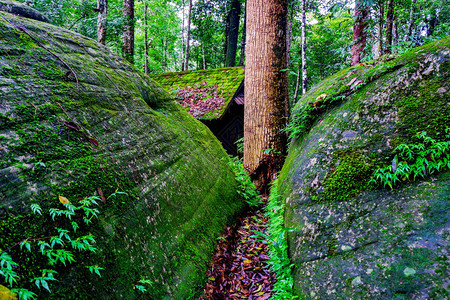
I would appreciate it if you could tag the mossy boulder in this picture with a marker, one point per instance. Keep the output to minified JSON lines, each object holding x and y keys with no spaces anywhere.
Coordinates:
{"x":352,"y":238}
{"x":20,"y":9}
{"x":75,"y":121}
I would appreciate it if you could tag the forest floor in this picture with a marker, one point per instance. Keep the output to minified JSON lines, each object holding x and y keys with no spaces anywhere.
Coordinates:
{"x":239,"y":268}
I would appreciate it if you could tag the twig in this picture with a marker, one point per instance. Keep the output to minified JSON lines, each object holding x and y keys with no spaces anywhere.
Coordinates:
{"x":67,"y":115}
{"x":21,"y":28}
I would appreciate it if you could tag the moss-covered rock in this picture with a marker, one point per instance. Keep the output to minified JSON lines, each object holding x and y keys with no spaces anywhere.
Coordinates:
{"x":353,"y":239}
{"x":76,"y":120}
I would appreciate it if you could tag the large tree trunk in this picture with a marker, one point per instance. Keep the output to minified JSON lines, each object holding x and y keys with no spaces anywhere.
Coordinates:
{"x":102,"y":7}
{"x":128,"y":30}
{"x":233,"y":33}
{"x":304,"y":74}
{"x":146,"y":68}
{"x":389,"y":26}
{"x":188,"y":36}
{"x":265,"y":90}
{"x":359,"y":33}
{"x":244,"y":37}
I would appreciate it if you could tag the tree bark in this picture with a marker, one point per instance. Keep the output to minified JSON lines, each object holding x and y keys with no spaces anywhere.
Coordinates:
{"x":265,"y":90}
{"x":146,"y":68}
{"x":233,"y":33}
{"x":304,"y":73}
{"x":244,"y":37}
{"x":188,"y":36}
{"x":389,"y":26}
{"x":359,"y":33}
{"x":128,"y":32}
{"x":102,"y":7}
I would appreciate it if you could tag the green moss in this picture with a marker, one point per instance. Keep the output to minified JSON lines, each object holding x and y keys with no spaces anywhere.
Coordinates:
{"x":347,"y":177}
{"x":423,"y":108}
{"x":225,"y":80}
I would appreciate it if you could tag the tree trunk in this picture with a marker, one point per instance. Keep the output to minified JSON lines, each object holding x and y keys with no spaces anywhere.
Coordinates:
{"x":233,"y":33}
{"x":188,"y":36}
{"x":411,"y":19}
{"x":128,"y":30}
{"x":297,"y":81}
{"x":182,"y":38}
{"x":304,"y":74}
{"x":379,"y":48}
{"x":244,"y":37}
{"x":146,"y":68}
{"x":389,"y":26}
{"x":288,"y":38}
{"x":359,"y":33}
{"x":102,"y":7}
{"x":265,"y":90}
{"x":204,"y":57}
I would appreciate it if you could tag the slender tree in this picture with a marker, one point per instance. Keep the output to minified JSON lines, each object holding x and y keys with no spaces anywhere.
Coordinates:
{"x":233,"y":32}
{"x":102,"y":9}
{"x":146,"y":68}
{"x":188,"y":37}
{"x":359,"y":32}
{"x":265,"y":90}
{"x":411,"y":18}
{"x":244,"y":37}
{"x":389,"y":26}
{"x":304,"y":73}
{"x":379,"y":45}
{"x":128,"y":32}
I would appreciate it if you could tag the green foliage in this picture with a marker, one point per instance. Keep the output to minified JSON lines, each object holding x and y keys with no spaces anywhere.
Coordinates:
{"x":141,"y":287}
{"x":419,"y":160}
{"x":246,"y":187}
{"x":279,"y":259}
{"x":54,"y":248}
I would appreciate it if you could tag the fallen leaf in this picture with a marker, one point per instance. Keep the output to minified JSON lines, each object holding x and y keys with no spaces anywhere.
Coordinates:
{"x":321,"y":97}
{"x":101,"y":195}
{"x":351,"y":81}
{"x":92,"y":141}
{"x":63,"y":200}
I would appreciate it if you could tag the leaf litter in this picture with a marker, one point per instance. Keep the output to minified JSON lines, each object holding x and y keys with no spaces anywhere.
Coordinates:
{"x":239,"y":268}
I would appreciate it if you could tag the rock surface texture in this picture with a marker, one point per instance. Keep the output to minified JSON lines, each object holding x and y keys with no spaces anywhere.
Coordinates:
{"x":75,"y":121}
{"x":352,"y":239}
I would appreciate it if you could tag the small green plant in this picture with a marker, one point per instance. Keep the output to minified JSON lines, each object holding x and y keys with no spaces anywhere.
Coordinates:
{"x":246,"y":187}
{"x":279,"y":259}
{"x":57,"y":248}
{"x":141,"y":287}
{"x":240,"y":145}
{"x":414,"y":160}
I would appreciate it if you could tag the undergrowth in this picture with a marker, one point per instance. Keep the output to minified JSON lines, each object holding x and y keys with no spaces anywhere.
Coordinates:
{"x":416,"y":160}
{"x":279,"y":259}
{"x":246,"y":187}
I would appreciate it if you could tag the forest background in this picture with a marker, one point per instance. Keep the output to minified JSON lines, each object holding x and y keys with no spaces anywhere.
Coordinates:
{"x":163,"y":29}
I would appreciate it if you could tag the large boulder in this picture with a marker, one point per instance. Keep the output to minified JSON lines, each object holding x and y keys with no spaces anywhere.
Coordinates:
{"x":76,"y":121}
{"x":352,"y":238}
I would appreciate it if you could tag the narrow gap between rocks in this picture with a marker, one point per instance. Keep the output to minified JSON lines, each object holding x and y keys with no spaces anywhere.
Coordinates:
{"x":239,"y":268}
